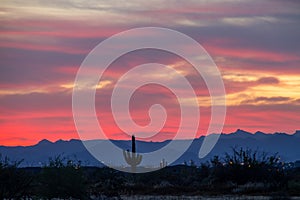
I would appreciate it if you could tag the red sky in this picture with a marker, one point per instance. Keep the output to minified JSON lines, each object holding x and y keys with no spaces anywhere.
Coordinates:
{"x":255,"y":45}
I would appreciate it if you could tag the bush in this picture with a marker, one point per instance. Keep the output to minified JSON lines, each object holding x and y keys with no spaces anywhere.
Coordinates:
{"x":14,"y":183}
{"x":244,"y":165}
{"x":62,"y":180}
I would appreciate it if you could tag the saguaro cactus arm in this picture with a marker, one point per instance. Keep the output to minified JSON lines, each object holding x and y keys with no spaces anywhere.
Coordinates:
{"x":132,"y":158}
{"x":126,"y":155}
{"x":163,"y":163}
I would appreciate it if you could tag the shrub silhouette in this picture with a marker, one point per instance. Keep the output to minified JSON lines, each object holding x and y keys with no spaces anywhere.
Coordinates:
{"x":14,"y":183}
{"x":240,"y":171}
{"x":62,"y":180}
{"x":106,"y":181}
{"x":244,"y":165}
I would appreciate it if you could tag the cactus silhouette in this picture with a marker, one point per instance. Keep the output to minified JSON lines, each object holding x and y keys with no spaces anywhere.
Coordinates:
{"x":132,"y":158}
{"x":163,"y":163}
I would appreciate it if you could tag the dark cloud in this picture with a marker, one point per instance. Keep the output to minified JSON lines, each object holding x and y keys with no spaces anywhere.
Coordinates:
{"x":297,"y":101}
{"x":43,"y":104}
{"x":268,"y":80}
{"x":27,"y":67}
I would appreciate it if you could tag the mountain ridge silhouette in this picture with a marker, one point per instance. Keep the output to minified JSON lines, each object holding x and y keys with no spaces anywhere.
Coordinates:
{"x":286,"y":145}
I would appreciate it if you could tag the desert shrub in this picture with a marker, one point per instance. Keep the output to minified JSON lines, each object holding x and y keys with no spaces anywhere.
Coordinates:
{"x":294,"y":181}
{"x":61,"y":179}
{"x":14,"y":183}
{"x":244,"y":165}
{"x":108,"y":182}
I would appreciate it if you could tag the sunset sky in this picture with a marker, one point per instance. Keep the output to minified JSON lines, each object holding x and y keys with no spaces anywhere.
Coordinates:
{"x":255,"y":44}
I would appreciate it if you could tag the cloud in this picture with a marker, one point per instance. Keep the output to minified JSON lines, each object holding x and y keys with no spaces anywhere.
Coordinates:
{"x":297,"y":101}
{"x":236,"y":83}
{"x":248,"y":21}
{"x":267,"y":117}
{"x":268,"y":80}
{"x":267,"y":100}
{"x":42,"y":44}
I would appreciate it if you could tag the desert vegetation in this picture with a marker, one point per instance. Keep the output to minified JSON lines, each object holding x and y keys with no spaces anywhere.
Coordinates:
{"x":240,"y":172}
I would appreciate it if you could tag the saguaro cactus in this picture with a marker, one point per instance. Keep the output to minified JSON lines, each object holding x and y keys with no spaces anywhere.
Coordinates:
{"x":163,"y":163}
{"x":132,"y":158}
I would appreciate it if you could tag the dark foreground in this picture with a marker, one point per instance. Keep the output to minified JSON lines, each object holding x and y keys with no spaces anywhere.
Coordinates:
{"x":240,"y":176}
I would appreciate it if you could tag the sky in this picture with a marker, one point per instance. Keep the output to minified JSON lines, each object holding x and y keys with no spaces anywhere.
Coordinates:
{"x":255,"y":45}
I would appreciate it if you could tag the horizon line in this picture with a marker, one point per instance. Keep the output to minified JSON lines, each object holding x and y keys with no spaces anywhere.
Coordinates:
{"x":297,"y":131}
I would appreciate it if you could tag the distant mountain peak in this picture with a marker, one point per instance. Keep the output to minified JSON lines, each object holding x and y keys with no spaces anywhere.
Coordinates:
{"x":74,"y":140}
{"x":259,"y":133}
{"x":280,"y":133}
{"x":240,"y":131}
{"x":297,"y":133}
{"x":61,"y":141}
{"x":44,"y":142}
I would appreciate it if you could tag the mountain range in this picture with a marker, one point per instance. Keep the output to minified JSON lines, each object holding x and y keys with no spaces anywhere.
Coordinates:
{"x":286,"y":145}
